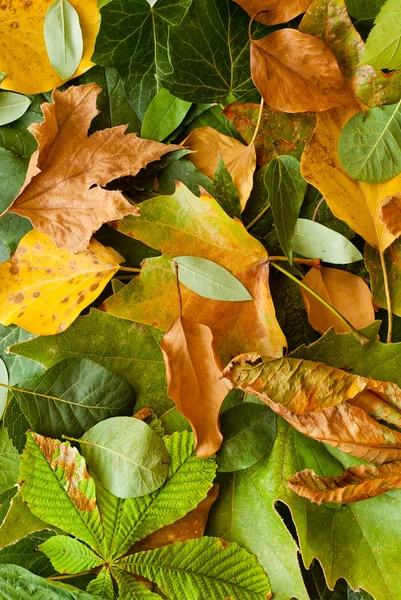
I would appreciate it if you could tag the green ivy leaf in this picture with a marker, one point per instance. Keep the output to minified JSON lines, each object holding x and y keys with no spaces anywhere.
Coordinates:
{"x":225,"y":192}
{"x":249,"y":432}
{"x":383,"y":46}
{"x":185,"y":569}
{"x":163,"y":116}
{"x":68,"y":555}
{"x":12,"y":107}
{"x":314,"y":240}
{"x":210,"y":280}
{"x":133,"y":38}
{"x":127,"y":456}
{"x":286,"y":190}
{"x":9,"y":462}
{"x":72,"y":396}
{"x":63,"y":38}
{"x":370,"y":144}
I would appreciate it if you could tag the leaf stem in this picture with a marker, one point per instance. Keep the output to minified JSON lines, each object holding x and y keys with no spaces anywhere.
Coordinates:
{"x":177,"y":280}
{"x":361,"y":338}
{"x":312,"y":262}
{"x":257,"y":218}
{"x":319,"y":204}
{"x":388,"y":297}
{"x":255,"y":133}
{"x":60,"y":577}
{"x":130,"y":269}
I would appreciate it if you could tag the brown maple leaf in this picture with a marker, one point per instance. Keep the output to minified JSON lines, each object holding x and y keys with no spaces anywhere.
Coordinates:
{"x":63,"y":195}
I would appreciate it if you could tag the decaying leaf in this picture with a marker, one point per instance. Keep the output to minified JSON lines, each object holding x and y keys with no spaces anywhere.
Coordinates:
{"x":356,"y":203}
{"x":346,"y":292}
{"x":390,"y":214}
{"x":44,"y":288}
{"x":355,"y":484}
{"x":296,"y":72}
{"x":201,"y":228}
{"x":23,"y":51}
{"x":208,"y":144}
{"x":190,"y":527}
{"x":277,"y":11}
{"x":193,"y":369}
{"x":63,"y":194}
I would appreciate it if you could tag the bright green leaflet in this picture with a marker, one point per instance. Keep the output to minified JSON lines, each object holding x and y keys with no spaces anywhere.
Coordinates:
{"x":370,"y":144}
{"x":209,"y":53}
{"x":57,"y":507}
{"x":17,"y":583}
{"x":72,"y":396}
{"x":314,"y":240}
{"x":63,"y":38}
{"x":9,"y":462}
{"x":286,"y":190}
{"x":163,"y":116}
{"x":68,"y":555}
{"x":25,"y":554}
{"x":249,"y":432}
{"x":187,"y":484}
{"x":224,"y":190}
{"x":373,"y":264}
{"x":12,"y":107}
{"x":127,"y":456}
{"x":102,"y":586}
{"x":210,"y":280}
{"x":185,"y":570}
{"x":3,"y":390}
{"x":127,"y":349}
{"x":130,"y":588}
{"x":383,"y":46}
{"x":19,"y":522}
{"x":364,"y":9}
{"x":133,"y":38}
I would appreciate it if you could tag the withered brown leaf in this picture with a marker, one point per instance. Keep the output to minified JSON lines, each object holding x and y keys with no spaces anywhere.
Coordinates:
{"x":355,"y":484}
{"x":390,"y":213}
{"x":277,"y":11}
{"x":296,"y":72}
{"x":193,"y":375}
{"x":63,"y":194}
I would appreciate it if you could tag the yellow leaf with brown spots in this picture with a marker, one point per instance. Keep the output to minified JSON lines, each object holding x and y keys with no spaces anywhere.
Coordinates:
{"x":44,"y":288}
{"x":63,"y":194}
{"x":22,"y":44}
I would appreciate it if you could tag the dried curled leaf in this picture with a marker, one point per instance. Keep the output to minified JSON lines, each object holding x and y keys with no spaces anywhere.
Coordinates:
{"x":390,"y":214}
{"x":296,"y":72}
{"x":63,"y":194}
{"x":355,"y":484}
{"x":277,"y":11}
{"x":193,"y":369}
{"x":208,"y":144}
{"x":44,"y":288}
{"x":345,"y":291}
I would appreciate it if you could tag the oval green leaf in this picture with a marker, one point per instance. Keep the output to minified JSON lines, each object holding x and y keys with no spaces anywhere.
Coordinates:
{"x":383,"y":48}
{"x":210,"y":280}
{"x":314,"y":240}
{"x":249,"y":431}
{"x":370,"y":144}
{"x":163,"y":116}
{"x":127,"y":456}
{"x":12,"y":107}
{"x":3,"y":390}
{"x":63,"y":37}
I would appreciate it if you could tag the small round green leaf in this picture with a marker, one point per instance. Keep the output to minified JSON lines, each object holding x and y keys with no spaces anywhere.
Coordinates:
{"x":210,"y":280}
{"x":3,"y":390}
{"x":127,"y":456}
{"x":63,"y":37}
{"x":164,"y":114}
{"x":12,"y":107}
{"x":249,"y":431}
{"x":370,"y":144}
{"x":314,"y":240}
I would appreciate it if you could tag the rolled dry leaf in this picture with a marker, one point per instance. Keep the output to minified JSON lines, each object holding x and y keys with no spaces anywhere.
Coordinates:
{"x":355,"y":484}
{"x":390,"y":214}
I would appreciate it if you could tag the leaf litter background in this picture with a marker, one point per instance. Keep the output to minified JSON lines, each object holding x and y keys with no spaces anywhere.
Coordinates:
{"x":198,"y":230}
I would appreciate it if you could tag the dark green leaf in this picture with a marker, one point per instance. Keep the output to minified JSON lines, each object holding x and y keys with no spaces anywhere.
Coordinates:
{"x":9,"y":462}
{"x":12,"y":107}
{"x":224,"y":190}
{"x":127,"y":456}
{"x":373,"y":264}
{"x":12,"y":230}
{"x":317,"y":241}
{"x":18,"y":367}
{"x":186,"y":172}
{"x":210,"y":280}
{"x":249,"y":431}
{"x":16,"y":424}
{"x":25,"y":554}
{"x":72,"y":396}
{"x":19,"y":522}
{"x":163,"y":116}
{"x":3,"y":390}
{"x":63,"y":37}
{"x":364,"y":9}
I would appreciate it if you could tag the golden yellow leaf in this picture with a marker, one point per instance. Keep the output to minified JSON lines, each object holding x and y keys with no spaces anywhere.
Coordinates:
{"x":297,"y":72}
{"x":44,"y":288}
{"x":193,"y":375}
{"x":208,"y":144}
{"x":63,"y":194}
{"x":354,"y":202}
{"x":355,"y":484}
{"x":277,"y":11}
{"x":345,"y":291}
{"x":22,"y":45}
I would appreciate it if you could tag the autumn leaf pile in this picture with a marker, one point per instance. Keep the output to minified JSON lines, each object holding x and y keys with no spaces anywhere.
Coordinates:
{"x":200,"y":299}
